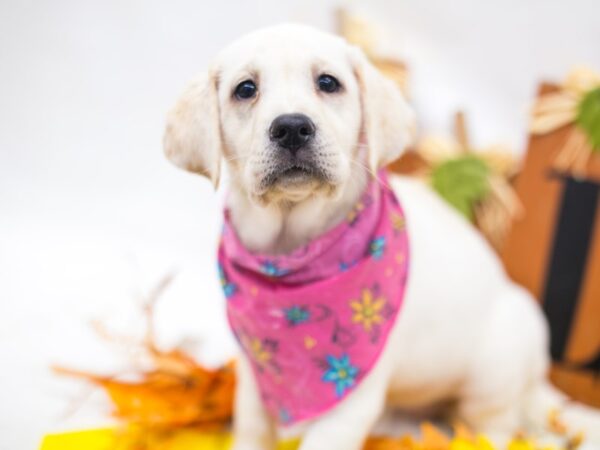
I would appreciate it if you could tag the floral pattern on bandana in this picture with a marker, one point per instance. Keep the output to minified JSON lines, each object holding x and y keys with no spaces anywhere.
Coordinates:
{"x":341,"y":373}
{"x":296,"y":315}
{"x":314,"y":322}
{"x":368,"y":310}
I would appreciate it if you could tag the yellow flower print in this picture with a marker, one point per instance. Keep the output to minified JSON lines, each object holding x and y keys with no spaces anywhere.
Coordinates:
{"x":367,"y":311}
{"x":354,"y":212}
{"x":258,"y":352}
{"x":397,"y":222}
{"x":309,"y":342}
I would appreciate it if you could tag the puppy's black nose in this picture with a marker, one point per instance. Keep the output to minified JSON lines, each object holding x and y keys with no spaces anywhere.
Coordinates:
{"x":292,"y":131}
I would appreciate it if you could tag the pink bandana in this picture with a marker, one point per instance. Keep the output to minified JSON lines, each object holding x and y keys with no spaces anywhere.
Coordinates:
{"x":314,"y":322}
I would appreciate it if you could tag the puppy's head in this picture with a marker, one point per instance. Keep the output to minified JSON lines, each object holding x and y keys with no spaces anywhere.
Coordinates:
{"x":291,"y":110}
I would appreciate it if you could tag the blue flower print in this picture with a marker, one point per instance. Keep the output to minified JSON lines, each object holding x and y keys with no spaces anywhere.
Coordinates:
{"x":340,"y":372}
{"x":270,"y":268}
{"x":296,"y":315}
{"x":228,"y":288}
{"x":284,"y":416}
{"x":377,"y":247}
{"x":345,"y":266}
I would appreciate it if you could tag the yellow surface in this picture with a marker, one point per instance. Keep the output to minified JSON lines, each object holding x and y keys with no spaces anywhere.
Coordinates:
{"x":135,"y":439}
{"x":90,"y":440}
{"x":112,"y":439}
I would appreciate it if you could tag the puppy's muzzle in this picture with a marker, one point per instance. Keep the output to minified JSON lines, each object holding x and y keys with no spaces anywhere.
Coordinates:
{"x":295,"y":157}
{"x":292,"y":132}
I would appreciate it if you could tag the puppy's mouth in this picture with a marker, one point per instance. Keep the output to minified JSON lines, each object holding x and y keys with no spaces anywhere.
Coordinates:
{"x":294,"y":175}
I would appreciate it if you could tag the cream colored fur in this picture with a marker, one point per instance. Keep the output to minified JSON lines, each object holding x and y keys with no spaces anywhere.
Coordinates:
{"x":466,"y":335}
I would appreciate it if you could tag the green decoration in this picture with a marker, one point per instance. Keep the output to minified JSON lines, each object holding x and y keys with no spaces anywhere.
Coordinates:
{"x":462,"y":182}
{"x":588,"y":117}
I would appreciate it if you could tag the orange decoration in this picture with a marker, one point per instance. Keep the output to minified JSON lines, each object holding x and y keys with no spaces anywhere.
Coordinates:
{"x":176,"y":392}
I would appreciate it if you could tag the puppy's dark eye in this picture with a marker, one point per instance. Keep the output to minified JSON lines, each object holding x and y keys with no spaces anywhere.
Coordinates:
{"x":246,"y":89}
{"x":329,"y":84}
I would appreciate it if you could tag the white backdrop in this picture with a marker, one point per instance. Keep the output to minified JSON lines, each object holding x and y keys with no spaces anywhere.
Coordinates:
{"x":90,"y":212}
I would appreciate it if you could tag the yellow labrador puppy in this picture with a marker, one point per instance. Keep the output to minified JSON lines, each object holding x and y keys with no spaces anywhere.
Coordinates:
{"x":465,"y":335}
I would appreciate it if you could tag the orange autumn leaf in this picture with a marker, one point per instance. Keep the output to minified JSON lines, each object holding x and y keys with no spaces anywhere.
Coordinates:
{"x":388,"y":443}
{"x":432,"y":438}
{"x":462,"y":432}
{"x":162,"y":399}
{"x":175,"y":392}
{"x":555,"y":422}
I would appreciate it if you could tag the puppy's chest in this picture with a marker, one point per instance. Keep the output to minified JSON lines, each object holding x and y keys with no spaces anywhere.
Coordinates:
{"x":313,"y":323}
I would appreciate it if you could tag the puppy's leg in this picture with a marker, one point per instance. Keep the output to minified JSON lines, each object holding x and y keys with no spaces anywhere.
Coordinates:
{"x":347,"y":426}
{"x":507,"y":362}
{"x":498,"y":422}
{"x":252,"y":427}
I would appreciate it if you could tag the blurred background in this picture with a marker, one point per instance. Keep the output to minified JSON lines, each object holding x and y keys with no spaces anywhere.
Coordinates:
{"x":91,"y":214}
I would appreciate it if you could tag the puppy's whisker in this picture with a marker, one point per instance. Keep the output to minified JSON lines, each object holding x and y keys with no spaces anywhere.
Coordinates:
{"x":233,"y":158}
{"x":372,"y":173}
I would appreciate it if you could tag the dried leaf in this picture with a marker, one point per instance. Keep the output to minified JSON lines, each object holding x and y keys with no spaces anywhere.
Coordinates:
{"x":176,"y":392}
{"x":166,"y":399}
{"x":433,"y":439}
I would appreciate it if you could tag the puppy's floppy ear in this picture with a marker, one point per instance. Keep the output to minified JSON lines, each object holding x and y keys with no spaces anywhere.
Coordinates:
{"x":388,"y":121}
{"x":192,"y":137}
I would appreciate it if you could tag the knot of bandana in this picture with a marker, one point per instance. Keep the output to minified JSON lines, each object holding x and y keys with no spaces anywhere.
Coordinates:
{"x":314,"y":322}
